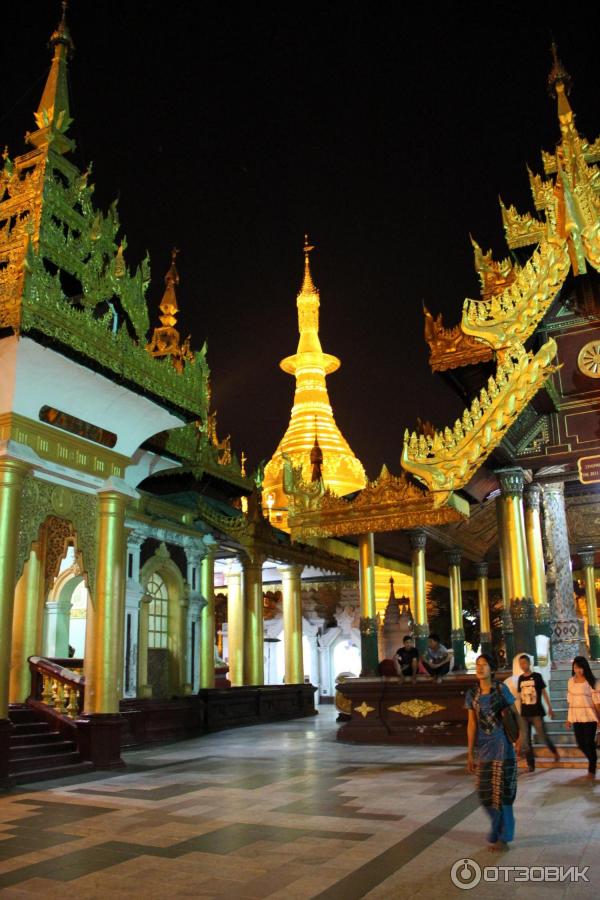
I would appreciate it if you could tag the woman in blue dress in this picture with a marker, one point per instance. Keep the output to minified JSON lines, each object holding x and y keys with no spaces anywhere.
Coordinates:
{"x":496,"y":766}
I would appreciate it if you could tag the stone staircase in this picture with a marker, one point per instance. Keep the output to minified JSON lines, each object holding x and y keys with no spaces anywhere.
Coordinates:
{"x":571,"y":756}
{"x":37,"y":752}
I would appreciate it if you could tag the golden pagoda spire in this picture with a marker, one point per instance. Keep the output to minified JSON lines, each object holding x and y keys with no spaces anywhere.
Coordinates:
{"x":52,"y":116}
{"x":559,"y":87}
{"x":166,"y":340}
{"x":328,"y":455}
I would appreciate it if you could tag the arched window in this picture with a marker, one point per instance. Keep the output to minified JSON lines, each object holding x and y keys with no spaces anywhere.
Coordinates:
{"x":159,"y":612}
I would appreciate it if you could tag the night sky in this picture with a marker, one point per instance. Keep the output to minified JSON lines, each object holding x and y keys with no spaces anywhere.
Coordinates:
{"x":386,"y":131}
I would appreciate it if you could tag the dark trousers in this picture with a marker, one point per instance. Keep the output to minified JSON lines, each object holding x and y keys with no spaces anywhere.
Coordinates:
{"x":585,"y":735}
{"x":443,"y":670}
{"x":525,"y":734}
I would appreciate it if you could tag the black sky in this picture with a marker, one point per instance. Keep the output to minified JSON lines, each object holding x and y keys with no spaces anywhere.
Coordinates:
{"x":385,"y":130}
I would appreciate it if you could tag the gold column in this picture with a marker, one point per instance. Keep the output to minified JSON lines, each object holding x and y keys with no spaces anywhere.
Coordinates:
{"x":235,"y":624}
{"x":26,"y":638}
{"x":485,"y":628}
{"x":587,"y":557}
{"x":535,"y":550}
{"x":507,"y":625}
{"x":514,"y":552}
{"x":206,"y":659}
{"x":418,"y":540}
{"x":456,"y":610}
{"x":12,"y":475}
{"x":102,"y":693}
{"x":368,"y":612}
{"x":254,"y":648}
{"x":144,"y":690}
{"x":292,"y":624}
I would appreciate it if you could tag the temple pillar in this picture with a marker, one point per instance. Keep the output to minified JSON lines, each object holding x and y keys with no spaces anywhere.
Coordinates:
{"x":26,"y":639}
{"x":102,"y":673}
{"x":12,"y":475}
{"x":368,"y":611}
{"x":485,"y":628}
{"x":182,"y":651}
{"x":418,"y":540}
{"x":564,"y":621}
{"x":195,"y":551}
{"x":254,"y":648}
{"x":133,"y":596}
{"x":207,"y":619}
{"x":535,"y":550}
{"x":586,"y":555}
{"x":144,"y":689}
{"x":56,"y":627}
{"x":514,"y":552}
{"x":507,"y":624}
{"x":292,"y":623}
{"x":456,"y":611}
{"x":235,"y":624}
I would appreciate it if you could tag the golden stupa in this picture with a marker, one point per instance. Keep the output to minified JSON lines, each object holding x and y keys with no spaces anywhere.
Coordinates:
{"x":312,"y":416}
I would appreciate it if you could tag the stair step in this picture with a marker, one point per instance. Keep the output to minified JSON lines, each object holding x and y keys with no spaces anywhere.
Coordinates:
{"x":22,"y":714}
{"x":31,"y":751}
{"x":31,"y":728}
{"x":39,"y":774}
{"x":44,"y":737}
{"x":33,"y":764}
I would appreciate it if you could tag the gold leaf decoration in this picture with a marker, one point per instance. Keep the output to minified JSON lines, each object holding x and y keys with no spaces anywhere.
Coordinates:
{"x":416,"y":709}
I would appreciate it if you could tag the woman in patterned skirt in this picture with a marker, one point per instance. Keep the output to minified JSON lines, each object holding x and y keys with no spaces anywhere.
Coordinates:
{"x":496,"y":766}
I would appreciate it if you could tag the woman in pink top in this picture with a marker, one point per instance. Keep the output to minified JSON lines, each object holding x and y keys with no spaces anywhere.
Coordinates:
{"x":584,"y":701}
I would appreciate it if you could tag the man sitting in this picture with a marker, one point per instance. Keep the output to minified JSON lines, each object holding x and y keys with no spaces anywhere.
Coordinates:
{"x":436,"y":658}
{"x":407,"y":660}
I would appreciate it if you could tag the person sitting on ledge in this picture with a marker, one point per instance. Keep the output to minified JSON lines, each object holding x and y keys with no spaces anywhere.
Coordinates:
{"x":436,"y":658}
{"x":407,"y":660}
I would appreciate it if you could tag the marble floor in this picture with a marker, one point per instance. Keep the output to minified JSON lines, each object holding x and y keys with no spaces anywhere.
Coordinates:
{"x":283,"y":811}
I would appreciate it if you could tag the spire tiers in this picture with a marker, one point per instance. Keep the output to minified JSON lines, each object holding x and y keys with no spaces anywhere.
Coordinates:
{"x":312,"y":414}
{"x":52,"y":115}
{"x":166,"y":340}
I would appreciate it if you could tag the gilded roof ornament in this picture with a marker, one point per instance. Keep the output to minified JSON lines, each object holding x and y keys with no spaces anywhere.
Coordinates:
{"x":52,"y":116}
{"x":166,"y":340}
{"x":447,"y":460}
{"x":451,"y":347}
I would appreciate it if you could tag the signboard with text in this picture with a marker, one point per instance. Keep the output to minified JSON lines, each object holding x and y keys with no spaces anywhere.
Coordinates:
{"x":589,"y":469}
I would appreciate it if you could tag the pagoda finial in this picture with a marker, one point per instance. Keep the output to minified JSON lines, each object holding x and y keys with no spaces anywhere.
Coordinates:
{"x":52,"y":116}
{"x":559,"y":87}
{"x":308,"y":286}
{"x":392,"y":594}
{"x":168,"y":304}
{"x":166,"y":340}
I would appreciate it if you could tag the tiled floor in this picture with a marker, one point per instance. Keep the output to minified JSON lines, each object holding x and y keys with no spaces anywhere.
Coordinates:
{"x":283,"y":811}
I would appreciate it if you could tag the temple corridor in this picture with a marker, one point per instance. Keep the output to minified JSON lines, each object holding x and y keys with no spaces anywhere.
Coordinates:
{"x":283,"y":811}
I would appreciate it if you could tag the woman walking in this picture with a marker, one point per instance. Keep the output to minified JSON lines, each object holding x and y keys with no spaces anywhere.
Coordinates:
{"x":496,"y":767}
{"x":584,"y":701}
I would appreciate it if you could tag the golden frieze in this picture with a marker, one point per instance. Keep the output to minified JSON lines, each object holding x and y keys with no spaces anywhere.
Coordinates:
{"x":494,"y":275}
{"x":448,"y":460}
{"x":389,"y":503}
{"x":416,"y":709}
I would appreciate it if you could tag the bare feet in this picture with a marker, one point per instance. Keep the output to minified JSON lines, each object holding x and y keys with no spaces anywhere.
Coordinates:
{"x":590,"y":776}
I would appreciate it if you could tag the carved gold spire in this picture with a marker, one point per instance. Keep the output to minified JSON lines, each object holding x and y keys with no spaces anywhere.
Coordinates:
{"x":341,"y":471}
{"x":166,"y":340}
{"x":52,"y":116}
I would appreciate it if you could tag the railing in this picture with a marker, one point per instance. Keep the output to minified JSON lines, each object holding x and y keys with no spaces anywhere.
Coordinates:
{"x":57,"y":686}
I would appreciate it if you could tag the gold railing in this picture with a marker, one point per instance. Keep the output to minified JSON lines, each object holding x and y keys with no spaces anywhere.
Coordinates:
{"x":59,"y":687}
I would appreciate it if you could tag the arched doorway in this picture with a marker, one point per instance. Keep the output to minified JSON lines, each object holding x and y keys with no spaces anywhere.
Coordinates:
{"x":66,"y":610}
{"x":163,"y":584}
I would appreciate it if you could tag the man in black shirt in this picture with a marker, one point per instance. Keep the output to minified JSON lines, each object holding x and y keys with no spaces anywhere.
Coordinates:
{"x":407,"y":660}
{"x":531,"y":688}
